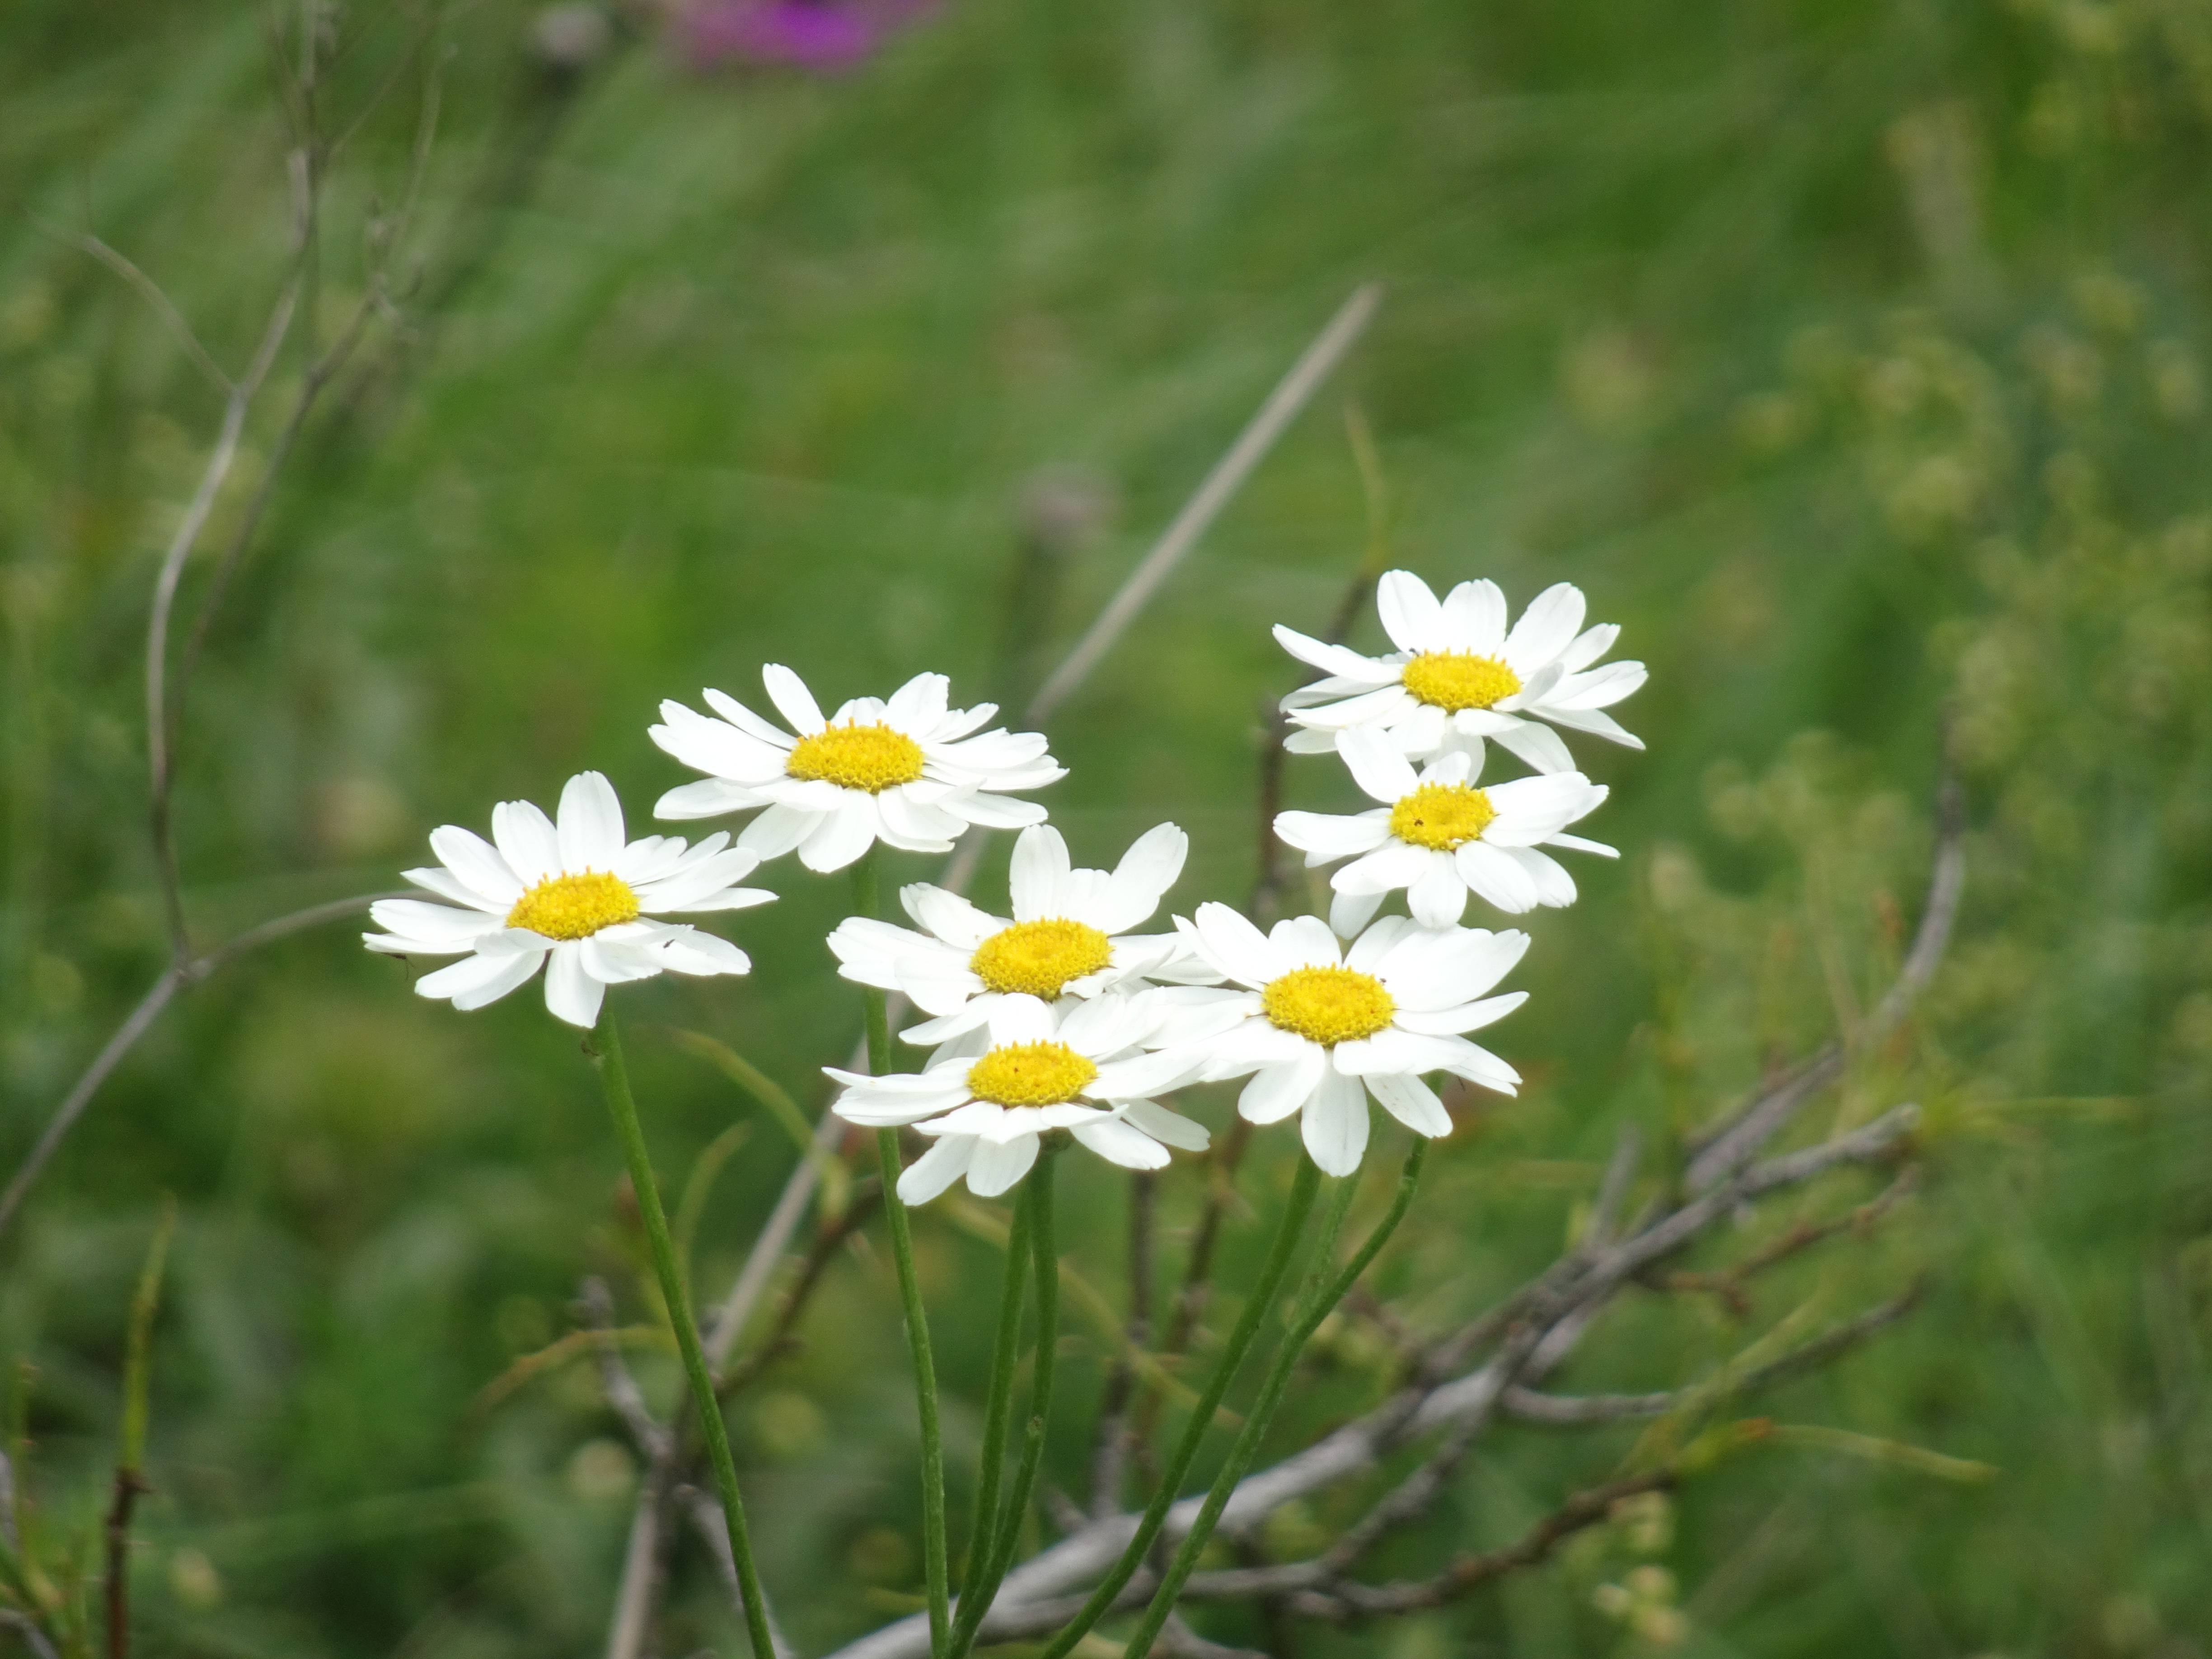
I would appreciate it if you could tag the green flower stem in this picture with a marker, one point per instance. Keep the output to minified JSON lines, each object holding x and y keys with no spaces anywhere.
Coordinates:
{"x":867,"y":900}
{"x":976,"y":1596}
{"x":1322,"y":1295}
{"x":1257,"y":1305}
{"x":998,"y":1406}
{"x":605,"y":1050}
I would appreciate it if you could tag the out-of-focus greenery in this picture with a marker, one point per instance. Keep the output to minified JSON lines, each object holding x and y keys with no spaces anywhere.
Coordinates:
{"x":1851,"y":354}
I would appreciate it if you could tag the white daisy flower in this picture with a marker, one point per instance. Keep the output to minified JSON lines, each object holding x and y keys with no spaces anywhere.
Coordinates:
{"x":1074,"y":1066}
{"x":1068,"y":937}
{"x":906,"y":772}
{"x":1458,"y":677}
{"x":1320,"y":1028}
{"x":573,"y":898}
{"x":1440,"y":838}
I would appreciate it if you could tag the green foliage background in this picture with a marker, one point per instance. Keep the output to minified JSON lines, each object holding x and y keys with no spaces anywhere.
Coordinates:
{"x":1851,"y":354}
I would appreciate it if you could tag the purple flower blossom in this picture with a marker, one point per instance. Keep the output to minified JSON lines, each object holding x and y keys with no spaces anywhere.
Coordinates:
{"x":823,"y":35}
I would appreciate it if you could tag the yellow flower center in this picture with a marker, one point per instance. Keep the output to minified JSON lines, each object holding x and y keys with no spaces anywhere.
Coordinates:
{"x":1029,"y":1074}
{"x":870,"y":757}
{"x":1442,"y":815}
{"x":1328,"y":1005}
{"x":1460,"y":679}
{"x":574,"y":907}
{"x":1039,"y":957}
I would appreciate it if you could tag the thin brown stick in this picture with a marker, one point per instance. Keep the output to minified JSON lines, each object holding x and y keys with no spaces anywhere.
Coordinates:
{"x":1347,"y":1599}
{"x":117,"y":1529}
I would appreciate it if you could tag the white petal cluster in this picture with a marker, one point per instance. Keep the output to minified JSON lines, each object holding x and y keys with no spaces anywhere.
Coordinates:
{"x":1062,"y":1015}
{"x":1500,"y":862}
{"x":911,"y":772}
{"x":1082,"y":916}
{"x":579,"y":878}
{"x":959,"y":1100}
{"x":1548,"y":653}
{"x":1425,"y":989}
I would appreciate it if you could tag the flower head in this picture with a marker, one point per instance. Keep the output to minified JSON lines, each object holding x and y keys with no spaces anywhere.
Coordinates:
{"x":907,"y":772}
{"x":1459,"y":676}
{"x":1319,"y":1028}
{"x":823,"y":35}
{"x":1074,"y":1066}
{"x":1068,"y":936}
{"x":1441,"y":837}
{"x":573,"y":897}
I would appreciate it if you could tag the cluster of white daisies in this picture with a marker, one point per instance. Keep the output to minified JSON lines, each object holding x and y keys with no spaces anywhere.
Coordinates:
{"x":1061,"y":1015}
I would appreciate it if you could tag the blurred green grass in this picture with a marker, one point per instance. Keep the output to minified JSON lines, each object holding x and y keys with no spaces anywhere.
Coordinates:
{"x":1850,"y":355}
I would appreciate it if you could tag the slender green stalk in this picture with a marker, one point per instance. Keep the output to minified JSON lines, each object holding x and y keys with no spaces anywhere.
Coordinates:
{"x":998,"y":1406}
{"x":1262,"y":1297}
{"x":867,"y":901}
{"x":1322,"y":1294}
{"x":605,"y":1050}
{"x":976,"y":1597}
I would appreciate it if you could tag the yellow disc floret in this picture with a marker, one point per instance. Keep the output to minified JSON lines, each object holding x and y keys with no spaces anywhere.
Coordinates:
{"x":870,"y":757}
{"x":574,"y":907}
{"x":1460,"y":679}
{"x":1037,"y":958}
{"x":1031,"y":1074}
{"x":1442,"y":816}
{"x":1328,"y":1005}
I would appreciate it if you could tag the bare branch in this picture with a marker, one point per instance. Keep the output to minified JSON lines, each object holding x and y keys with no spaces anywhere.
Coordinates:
{"x":155,"y":296}
{"x":1554,"y":1310}
{"x":1281,"y":408}
{"x":1727,"y":1282}
{"x":160,"y":762}
{"x":141,"y":1019}
{"x":1757,"y":1122}
{"x":1571,"y":1411}
{"x":1343,"y":1599}
{"x":1612,"y":1190}
{"x":598,"y":1307}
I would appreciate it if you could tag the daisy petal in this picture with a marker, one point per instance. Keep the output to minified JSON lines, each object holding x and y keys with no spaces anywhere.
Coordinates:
{"x":1140,"y":880}
{"x":1547,"y":627}
{"x":478,"y":865}
{"x":571,"y":993}
{"x":842,"y":837}
{"x":591,"y":824}
{"x":993,"y":1167}
{"x":1413,"y":1102}
{"x":1276,"y":1091}
{"x":936,"y":1169}
{"x":1377,"y":765}
{"x":1410,"y":613}
{"x":1037,"y":877}
{"x":1538,"y":746}
{"x":1491,"y":875}
{"x":1335,"y":1123}
{"x":791,"y":699}
{"x":1474,"y":615}
{"x":1118,"y":1143}
{"x":1172,"y":1127}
